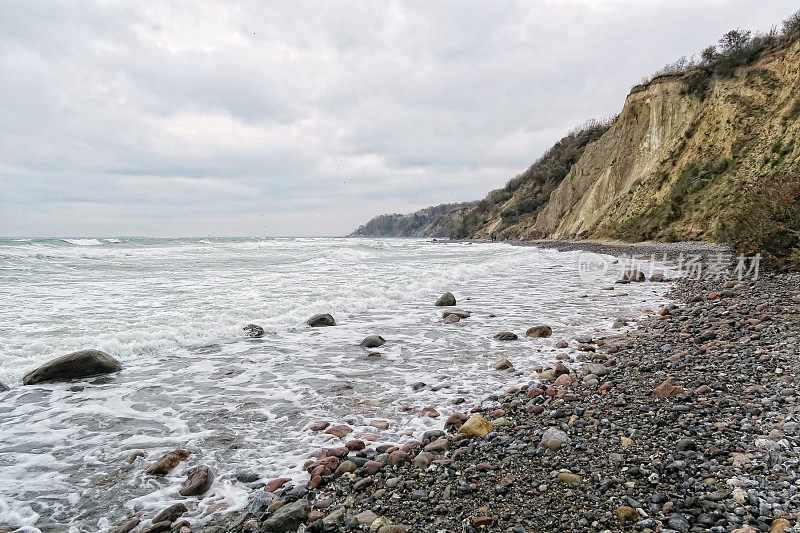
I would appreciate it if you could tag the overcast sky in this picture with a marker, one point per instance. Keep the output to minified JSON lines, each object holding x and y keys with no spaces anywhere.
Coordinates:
{"x":307,"y":118}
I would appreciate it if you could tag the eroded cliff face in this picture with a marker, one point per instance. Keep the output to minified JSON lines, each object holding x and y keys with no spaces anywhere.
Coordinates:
{"x":717,"y":160}
{"x":677,"y":166}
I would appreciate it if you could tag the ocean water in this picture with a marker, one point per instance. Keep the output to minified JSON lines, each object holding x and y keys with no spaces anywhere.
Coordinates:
{"x":172,"y":311}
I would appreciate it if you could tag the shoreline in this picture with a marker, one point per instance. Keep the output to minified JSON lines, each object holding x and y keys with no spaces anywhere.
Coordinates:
{"x":719,"y":452}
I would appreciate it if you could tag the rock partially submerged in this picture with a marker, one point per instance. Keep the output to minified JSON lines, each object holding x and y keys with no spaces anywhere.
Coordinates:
{"x":633,"y":275}
{"x":81,"y":364}
{"x":171,"y":513}
{"x":253,"y":330}
{"x":3,"y":387}
{"x":321,"y":320}
{"x":373,"y":341}
{"x":167,"y":462}
{"x":446,"y":299}
{"x":460,"y":313}
{"x":506,"y":336}
{"x":198,"y":481}
{"x":539,"y":332}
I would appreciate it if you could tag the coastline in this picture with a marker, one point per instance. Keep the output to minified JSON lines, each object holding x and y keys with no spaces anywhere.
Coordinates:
{"x":719,"y":452}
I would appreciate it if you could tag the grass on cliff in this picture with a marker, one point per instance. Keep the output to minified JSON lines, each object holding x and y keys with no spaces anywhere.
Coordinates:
{"x":735,"y":49}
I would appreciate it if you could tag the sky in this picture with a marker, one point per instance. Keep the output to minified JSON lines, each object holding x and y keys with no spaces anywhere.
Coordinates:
{"x":274,"y":118}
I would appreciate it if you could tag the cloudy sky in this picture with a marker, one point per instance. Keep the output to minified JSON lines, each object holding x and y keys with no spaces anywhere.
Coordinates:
{"x":194,"y":118}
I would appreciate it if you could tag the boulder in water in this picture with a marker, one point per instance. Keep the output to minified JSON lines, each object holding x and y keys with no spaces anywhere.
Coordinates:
{"x":446,"y":299}
{"x":321,"y":320}
{"x":81,"y":364}
{"x":460,"y":313}
{"x":3,"y":387}
{"x":171,"y":513}
{"x":253,"y":330}
{"x":451,"y":319}
{"x":539,"y":331}
{"x":633,"y":275}
{"x":373,"y":341}
{"x":198,"y":481}
{"x":506,"y":336}
{"x":167,"y":462}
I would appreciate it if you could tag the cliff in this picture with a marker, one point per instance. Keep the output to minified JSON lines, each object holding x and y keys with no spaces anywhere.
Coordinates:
{"x":436,"y":221}
{"x":708,"y":152}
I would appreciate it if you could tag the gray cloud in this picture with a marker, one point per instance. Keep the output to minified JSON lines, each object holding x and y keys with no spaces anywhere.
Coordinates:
{"x":307,"y":118}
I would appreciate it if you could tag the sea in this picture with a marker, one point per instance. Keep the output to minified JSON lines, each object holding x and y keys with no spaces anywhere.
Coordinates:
{"x":173,"y":311}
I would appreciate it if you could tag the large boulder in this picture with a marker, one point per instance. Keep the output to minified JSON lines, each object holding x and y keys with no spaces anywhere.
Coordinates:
{"x":446,"y":299}
{"x":321,"y":320}
{"x":287,"y":518}
{"x":373,"y":341}
{"x":198,"y":481}
{"x":82,"y":364}
{"x":539,"y":332}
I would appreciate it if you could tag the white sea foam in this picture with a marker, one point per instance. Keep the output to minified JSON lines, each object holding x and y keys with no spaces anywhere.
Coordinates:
{"x":83,"y":242}
{"x":172,"y":312}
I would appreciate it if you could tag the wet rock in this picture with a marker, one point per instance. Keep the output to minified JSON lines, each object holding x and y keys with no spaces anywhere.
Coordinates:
{"x":198,"y":481}
{"x":446,"y":299}
{"x":340,"y":431}
{"x":167,"y":462}
{"x":81,"y":364}
{"x":460,"y":313}
{"x":321,"y":320}
{"x":476,"y":426}
{"x":253,"y":331}
{"x":451,"y":319}
{"x":633,"y":275}
{"x":158,"y":527}
{"x":456,"y":420}
{"x":287,"y":518}
{"x":561,"y":344}
{"x":275,"y":484}
{"x":319,"y":426}
{"x":3,"y":387}
{"x":506,"y":336}
{"x":658,"y":277}
{"x":541,"y":332}
{"x":126,"y":527}
{"x":171,"y":513}
{"x":373,"y":341}
{"x":503,"y":364}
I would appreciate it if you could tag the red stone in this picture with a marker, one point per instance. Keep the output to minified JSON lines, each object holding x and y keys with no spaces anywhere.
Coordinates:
{"x":355,"y":445}
{"x":339,"y":431}
{"x":319,"y":426}
{"x":275,"y":484}
{"x":481,"y":521}
{"x":315,"y":482}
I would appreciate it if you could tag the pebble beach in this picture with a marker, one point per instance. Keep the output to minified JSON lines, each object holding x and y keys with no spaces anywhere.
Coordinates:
{"x":687,"y":423}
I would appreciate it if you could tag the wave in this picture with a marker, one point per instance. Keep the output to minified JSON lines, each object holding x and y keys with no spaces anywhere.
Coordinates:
{"x":82,"y":242}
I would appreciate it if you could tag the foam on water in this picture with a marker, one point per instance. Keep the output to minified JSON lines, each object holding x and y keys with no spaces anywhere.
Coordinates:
{"x":172,"y":310}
